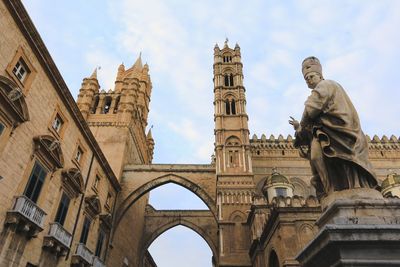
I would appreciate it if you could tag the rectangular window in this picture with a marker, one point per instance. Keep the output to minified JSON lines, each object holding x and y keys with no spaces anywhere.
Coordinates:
{"x":35,"y":182}
{"x":280,"y":191}
{"x":62,"y":209}
{"x":20,"y":70}
{"x":99,"y":245}
{"x":57,"y":123}
{"x":78,"y":155}
{"x":85,"y":231}
{"x":96,"y":182}
{"x":108,"y":200}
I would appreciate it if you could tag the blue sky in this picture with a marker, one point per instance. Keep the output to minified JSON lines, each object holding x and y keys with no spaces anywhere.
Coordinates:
{"x":357,"y":43}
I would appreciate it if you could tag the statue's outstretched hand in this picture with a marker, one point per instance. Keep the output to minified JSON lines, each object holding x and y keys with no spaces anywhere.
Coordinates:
{"x":295,"y":123}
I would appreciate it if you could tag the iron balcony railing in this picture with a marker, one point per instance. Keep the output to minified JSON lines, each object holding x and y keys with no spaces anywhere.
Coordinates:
{"x":97,"y":262}
{"x":28,"y":209}
{"x":58,"y":232}
{"x":83,"y":252}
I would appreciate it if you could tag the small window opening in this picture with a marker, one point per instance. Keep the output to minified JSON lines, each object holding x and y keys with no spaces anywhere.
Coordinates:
{"x":108,"y":200}
{"x":258,"y":152}
{"x":96,"y":182}
{"x":228,"y":79}
{"x":116,"y":104}
{"x":281,"y":191}
{"x":57,"y":123}
{"x":227,"y":107}
{"x":79,"y":153}
{"x":283,"y":152}
{"x":233,"y":107}
{"x":95,"y":104}
{"x":20,"y":70}
{"x":107,"y":105}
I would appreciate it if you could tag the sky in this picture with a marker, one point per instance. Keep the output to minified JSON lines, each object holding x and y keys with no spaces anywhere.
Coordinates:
{"x":356,"y":41}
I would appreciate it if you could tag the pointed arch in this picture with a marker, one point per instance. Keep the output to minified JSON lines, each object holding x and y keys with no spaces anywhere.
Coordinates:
{"x":107,"y":104}
{"x":95,"y":103}
{"x":232,"y":140}
{"x":201,"y":232}
{"x":273,"y":260}
{"x":154,"y":183}
{"x":237,"y":216}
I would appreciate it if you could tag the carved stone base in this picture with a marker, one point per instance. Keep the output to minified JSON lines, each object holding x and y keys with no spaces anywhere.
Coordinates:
{"x":356,"y":232}
{"x":358,"y":193}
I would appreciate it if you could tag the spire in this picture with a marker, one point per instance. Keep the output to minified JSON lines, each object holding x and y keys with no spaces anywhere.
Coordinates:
{"x":138,"y":63}
{"x":237,"y":46}
{"x":149,"y":135}
{"x":94,"y":74}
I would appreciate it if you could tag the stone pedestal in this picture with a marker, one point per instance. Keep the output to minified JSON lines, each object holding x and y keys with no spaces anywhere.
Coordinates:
{"x":356,"y":232}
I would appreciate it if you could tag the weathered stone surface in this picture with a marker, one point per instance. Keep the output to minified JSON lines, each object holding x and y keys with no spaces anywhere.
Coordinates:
{"x":356,"y":232}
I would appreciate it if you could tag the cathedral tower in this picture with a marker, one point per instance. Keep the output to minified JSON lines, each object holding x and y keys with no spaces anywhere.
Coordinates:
{"x":118,"y":118}
{"x":232,"y":156}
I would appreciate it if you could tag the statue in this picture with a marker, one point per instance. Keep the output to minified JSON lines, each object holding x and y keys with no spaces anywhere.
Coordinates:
{"x":329,"y":135}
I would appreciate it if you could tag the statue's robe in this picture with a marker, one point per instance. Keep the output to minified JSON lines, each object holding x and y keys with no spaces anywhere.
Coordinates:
{"x":330,"y":119}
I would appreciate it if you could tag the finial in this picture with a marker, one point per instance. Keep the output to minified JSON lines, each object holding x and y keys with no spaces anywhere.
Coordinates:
{"x":94,"y":74}
{"x":138,"y":62}
{"x":226,"y":42}
{"x":274,"y":170}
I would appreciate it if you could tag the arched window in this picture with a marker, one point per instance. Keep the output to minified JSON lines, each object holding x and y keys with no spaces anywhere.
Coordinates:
{"x":116,"y":104}
{"x":233,"y":107}
{"x":232,"y":149}
{"x":229,"y":79}
{"x":230,"y":106}
{"x":227,"y":58}
{"x":227,"y":107}
{"x":273,"y":259}
{"x":107,"y":104}
{"x":95,"y":104}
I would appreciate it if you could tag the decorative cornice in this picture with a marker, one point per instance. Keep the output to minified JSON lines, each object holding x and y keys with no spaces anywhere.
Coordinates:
{"x":287,"y":143}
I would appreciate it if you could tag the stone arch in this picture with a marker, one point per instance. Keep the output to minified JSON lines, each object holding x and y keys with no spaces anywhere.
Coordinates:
{"x":233,"y":140}
{"x":300,"y":187}
{"x":237,"y":216}
{"x":201,"y":232}
{"x":306,"y":233}
{"x":162,"y":180}
{"x":273,"y":259}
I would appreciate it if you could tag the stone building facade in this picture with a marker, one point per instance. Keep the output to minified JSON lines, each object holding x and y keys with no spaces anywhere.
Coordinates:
{"x":75,"y":176}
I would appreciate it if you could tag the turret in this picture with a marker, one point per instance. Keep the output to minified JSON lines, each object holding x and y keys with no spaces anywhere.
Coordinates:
{"x":150,"y":144}
{"x":90,"y":86}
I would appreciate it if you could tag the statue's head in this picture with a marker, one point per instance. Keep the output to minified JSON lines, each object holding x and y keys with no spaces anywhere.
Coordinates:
{"x":312,"y":71}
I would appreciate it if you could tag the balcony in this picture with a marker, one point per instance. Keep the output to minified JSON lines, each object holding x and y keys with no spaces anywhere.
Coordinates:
{"x":97,"y":262}
{"x":82,"y":256}
{"x":58,"y":240}
{"x":26,"y":215}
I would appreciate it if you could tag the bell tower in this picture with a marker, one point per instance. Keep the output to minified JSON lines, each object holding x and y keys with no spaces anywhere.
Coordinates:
{"x":232,"y":156}
{"x":118,"y":117}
